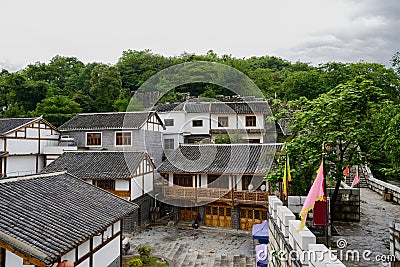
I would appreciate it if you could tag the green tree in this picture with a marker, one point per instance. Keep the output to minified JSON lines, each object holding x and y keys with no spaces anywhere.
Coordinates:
{"x":105,"y":87}
{"x":57,"y":109}
{"x":342,"y":119}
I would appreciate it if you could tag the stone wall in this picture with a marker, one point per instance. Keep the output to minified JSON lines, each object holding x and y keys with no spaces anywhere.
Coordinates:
{"x":347,"y":205}
{"x":395,"y":243}
{"x":287,"y":246}
{"x":381,"y":187}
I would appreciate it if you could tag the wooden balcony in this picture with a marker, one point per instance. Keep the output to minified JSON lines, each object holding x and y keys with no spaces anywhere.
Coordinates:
{"x":214,"y":194}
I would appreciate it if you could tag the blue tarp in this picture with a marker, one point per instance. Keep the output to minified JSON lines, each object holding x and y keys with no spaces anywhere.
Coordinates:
{"x":262,"y":255}
{"x":260,"y":232}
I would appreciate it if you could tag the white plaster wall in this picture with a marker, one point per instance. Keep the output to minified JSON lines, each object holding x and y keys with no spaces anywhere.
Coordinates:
{"x":179,"y":121}
{"x":178,"y":139}
{"x":148,"y":182}
{"x":136,"y":187}
{"x":22,"y":146}
{"x":13,"y":260}
{"x":21,"y":165}
{"x":117,"y":227}
{"x":203,"y":178}
{"x":205,"y":129}
{"x":32,"y":132}
{"x":69,"y":256}
{"x":97,"y":240}
{"x":84,"y":264}
{"x":107,"y":254}
{"x":83,"y":249}
{"x":122,"y":185}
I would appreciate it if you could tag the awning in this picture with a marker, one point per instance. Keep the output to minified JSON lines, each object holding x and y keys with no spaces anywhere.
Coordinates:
{"x":260,"y":232}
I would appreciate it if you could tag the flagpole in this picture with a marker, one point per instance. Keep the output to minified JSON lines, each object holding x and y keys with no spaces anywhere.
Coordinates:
{"x":326,"y":198}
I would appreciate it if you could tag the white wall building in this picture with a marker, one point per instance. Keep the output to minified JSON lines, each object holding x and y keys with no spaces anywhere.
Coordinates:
{"x":53,"y":217}
{"x":22,"y":145}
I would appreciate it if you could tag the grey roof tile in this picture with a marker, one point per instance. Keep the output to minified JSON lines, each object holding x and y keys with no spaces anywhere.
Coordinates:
{"x":232,"y":158}
{"x":46,"y":216}
{"x":8,"y":124}
{"x":112,"y":120}
{"x":97,"y":164}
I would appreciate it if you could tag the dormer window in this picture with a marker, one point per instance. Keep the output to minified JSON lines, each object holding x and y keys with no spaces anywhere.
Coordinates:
{"x":93,"y":139}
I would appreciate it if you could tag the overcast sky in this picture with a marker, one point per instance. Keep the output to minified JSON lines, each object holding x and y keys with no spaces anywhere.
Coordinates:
{"x":315,"y":31}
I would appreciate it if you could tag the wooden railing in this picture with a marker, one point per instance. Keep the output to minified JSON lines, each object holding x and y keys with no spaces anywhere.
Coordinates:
{"x":202,"y":194}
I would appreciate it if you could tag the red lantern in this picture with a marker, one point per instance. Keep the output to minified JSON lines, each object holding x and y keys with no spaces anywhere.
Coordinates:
{"x":65,"y":263}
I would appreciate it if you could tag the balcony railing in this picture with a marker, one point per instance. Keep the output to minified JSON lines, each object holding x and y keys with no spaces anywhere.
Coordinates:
{"x":204,"y":194}
{"x":120,"y":193}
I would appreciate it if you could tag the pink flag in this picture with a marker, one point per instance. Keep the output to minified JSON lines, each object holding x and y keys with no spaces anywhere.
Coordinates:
{"x":356,"y":179}
{"x":316,"y":194}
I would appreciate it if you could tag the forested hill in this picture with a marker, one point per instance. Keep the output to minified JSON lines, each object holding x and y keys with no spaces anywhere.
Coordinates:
{"x":66,"y":85}
{"x":353,"y":104}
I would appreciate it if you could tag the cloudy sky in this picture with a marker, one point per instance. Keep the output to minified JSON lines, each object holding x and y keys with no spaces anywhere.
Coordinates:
{"x":315,"y":31}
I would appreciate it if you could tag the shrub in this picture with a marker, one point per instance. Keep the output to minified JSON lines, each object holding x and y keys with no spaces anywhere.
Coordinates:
{"x":135,"y":262}
{"x":144,"y":252}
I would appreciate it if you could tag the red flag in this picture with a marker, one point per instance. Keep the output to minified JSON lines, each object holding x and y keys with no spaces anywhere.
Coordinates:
{"x":346,"y":171}
{"x":316,"y":193}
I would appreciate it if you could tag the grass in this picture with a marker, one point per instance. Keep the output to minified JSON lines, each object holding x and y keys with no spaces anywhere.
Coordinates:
{"x":154,"y":262}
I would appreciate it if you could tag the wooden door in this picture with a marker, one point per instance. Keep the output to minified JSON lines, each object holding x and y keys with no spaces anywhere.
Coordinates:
{"x":250,"y":216}
{"x":188,"y":214}
{"x":218,"y":216}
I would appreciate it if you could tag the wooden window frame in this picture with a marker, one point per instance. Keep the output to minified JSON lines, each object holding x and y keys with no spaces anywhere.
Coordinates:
{"x":218,"y":181}
{"x":223,"y":121}
{"x":103,"y":184}
{"x":87,"y":139}
{"x":251,"y":121}
{"x":123,"y":138}
{"x":183,"y":180}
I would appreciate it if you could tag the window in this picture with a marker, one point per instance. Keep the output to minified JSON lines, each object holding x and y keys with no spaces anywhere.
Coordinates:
{"x":250,"y":121}
{"x":183,"y":180}
{"x":105,"y":184}
{"x":169,"y":144}
{"x":123,"y":138}
{"x":246,"y":180}
{"x":169,"y":122}
{"x":197,"y":123}
{"x":223,"y":121}
{"x":93,"y":139}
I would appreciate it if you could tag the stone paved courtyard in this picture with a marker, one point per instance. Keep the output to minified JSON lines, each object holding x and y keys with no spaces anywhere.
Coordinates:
{"x":372,"y":232}
{"x":198,"y":247}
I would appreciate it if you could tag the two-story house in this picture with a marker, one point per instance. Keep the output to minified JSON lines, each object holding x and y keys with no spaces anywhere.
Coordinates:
{"x":48,"y":218}
{"x":127,"y":174}
{"x":117,"y":131}
{"x":22,"y":144}
{"x":191,"y":122}
{"x":223,"y":184}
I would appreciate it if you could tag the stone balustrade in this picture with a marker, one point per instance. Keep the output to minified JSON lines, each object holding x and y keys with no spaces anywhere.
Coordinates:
{"x":287,"y":246}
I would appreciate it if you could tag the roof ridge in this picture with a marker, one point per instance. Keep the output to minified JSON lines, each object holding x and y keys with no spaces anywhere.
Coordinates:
{"x":116,"y":112}
{"x":30,"y":177}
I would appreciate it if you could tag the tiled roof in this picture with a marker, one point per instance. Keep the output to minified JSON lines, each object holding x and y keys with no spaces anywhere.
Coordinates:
{"x":236,"y":131}
{"x":197,"y":107}
{"x":8,"y":124}
{"x":97,"y":164}
{"x":169,"y":107}
{"x":45,"y":216}
{"x":217,"y":107}
{"x":112,"y":120}
{"x":232,"y":158}
{"x":240,"y":107}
